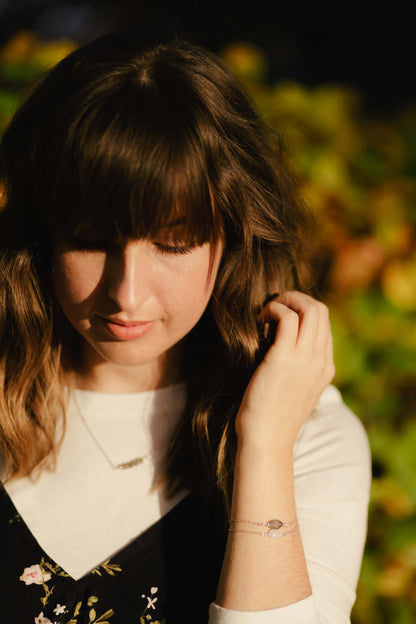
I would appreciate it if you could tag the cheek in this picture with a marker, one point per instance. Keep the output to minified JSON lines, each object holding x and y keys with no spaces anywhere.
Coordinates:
{"x":74,"y":279}
{"x":191,"y":290}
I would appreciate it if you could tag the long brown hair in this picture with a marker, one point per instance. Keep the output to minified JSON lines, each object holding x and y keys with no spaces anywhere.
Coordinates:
{"x":123,"y":136}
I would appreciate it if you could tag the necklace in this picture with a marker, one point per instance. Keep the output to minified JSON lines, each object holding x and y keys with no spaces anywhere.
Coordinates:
{"x":135,"y":461}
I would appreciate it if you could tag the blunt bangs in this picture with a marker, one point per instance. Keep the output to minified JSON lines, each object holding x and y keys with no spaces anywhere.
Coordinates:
{"x":131,"y":180}
{"x":130,"y":164}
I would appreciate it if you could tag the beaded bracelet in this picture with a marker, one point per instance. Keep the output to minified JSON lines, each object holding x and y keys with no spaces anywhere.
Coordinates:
{"x":273,"y":527}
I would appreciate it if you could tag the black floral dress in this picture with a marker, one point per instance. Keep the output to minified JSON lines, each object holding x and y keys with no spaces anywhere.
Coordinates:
{"x":168,"y":574}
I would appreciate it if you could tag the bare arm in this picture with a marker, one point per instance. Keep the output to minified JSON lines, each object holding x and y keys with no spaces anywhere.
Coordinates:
{"x":260,"y":572}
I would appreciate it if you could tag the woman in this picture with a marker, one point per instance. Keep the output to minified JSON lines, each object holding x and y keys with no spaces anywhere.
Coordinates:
{"x":169,"y":440}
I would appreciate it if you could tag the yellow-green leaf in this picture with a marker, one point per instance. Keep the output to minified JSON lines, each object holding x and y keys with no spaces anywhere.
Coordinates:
{"x":108,"y":614}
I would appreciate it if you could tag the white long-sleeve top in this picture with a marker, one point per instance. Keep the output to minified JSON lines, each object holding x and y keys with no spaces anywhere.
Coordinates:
{"x":332,"y":483}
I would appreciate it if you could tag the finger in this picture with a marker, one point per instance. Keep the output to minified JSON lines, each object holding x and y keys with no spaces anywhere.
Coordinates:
{"x":311,"y":316}
{"x":287,"y":322}
{"x":329,"y":357}
{"x":316,"y":314}
{"x":291,"y":299}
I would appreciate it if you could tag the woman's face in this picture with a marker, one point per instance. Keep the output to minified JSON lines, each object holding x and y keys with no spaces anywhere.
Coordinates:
{"x":132,"y":304}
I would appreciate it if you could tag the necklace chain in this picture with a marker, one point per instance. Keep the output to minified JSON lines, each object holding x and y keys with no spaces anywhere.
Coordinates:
{"x":135,"y":461}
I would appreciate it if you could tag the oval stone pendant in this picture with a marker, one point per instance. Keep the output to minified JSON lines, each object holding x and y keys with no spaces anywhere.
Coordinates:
{"x":274,"y":533}
{"x":274,"y":524}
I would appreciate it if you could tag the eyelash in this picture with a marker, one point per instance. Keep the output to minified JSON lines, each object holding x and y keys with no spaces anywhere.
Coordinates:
{"x":163,"y":248}
{"x":172,"y":249}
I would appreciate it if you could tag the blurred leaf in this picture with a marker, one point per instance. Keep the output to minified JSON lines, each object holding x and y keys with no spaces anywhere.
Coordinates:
{"x":399,"y":283}
{"x":245,"y":60}
{"x":8,"y":104}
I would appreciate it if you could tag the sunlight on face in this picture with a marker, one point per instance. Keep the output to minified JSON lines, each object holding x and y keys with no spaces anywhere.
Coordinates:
{"x":132,"y":304}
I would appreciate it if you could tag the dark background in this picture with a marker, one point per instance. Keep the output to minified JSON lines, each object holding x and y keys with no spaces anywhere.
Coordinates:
{"x":366,"y":46}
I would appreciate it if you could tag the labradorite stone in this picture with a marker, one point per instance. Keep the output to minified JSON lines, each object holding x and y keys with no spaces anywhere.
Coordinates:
{"x":274,"y":524}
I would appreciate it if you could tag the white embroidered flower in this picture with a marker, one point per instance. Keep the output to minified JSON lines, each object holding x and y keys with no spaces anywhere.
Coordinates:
{"x":151,"y":601}
{"x":41,"y":619}
{"x":35,"y":574}
{"x":59,"y":609}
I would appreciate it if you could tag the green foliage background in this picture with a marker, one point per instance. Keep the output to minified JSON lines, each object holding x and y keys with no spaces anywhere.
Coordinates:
{"x":358,"y":176}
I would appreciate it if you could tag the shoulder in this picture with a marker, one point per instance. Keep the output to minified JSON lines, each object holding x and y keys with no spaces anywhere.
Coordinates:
{"x":332,"y":450}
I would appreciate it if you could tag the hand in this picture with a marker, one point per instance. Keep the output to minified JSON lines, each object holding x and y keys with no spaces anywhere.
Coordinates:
{"x":296,"y":369}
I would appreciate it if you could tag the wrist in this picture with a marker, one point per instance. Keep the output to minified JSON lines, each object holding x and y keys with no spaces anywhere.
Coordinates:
{"x":263,"y":485}
{"x":257,"y":438}
{"x":261,"y":451}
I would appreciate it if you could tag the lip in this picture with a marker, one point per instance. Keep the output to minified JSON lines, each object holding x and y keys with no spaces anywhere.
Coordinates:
{"x":126,"y":330}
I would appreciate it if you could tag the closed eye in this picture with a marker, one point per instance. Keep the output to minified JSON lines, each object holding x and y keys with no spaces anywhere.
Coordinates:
{"x":173,"y":249}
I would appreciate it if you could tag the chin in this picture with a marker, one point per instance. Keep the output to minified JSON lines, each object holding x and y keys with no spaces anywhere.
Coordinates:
{"x":127,"y":359}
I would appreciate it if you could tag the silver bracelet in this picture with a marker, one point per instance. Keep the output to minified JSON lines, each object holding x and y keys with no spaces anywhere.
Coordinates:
{"x":274,"y":527}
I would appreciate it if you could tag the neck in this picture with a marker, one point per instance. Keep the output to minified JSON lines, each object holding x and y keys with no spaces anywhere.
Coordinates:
{"x":99,"y":376}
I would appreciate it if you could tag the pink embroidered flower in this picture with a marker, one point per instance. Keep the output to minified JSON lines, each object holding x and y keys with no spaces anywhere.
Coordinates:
{"x":35,"y":574}
{"x":41,"y":619}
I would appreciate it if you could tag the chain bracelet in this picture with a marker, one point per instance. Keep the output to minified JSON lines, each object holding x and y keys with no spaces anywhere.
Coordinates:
{"x":273,"y":527}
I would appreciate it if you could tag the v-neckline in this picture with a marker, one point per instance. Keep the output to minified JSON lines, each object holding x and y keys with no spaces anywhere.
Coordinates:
{"x":120,"y":555}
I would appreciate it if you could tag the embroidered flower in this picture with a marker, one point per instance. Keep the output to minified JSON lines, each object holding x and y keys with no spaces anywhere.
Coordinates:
{"x":41,"y":619}
{"x":35,"y":574}
{"x":59,"y":609}
{"x":151,"y":601}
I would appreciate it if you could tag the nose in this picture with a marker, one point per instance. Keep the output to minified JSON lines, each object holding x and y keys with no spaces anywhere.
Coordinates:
{"x":127,"y":275}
